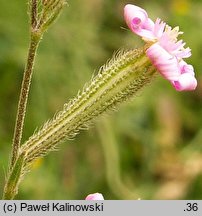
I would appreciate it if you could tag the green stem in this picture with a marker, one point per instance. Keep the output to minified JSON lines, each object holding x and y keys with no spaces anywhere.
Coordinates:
{"x":35,"y":39}
{"x":11,"y":186}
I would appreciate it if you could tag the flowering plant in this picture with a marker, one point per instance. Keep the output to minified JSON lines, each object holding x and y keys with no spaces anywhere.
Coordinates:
{"x":116,"y":82}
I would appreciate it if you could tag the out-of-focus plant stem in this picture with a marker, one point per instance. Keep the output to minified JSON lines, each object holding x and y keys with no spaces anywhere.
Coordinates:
{"x":112,"y":162}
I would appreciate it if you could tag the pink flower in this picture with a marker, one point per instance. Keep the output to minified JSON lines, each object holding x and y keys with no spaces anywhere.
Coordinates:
{"x":165,"y":52}
{"x":95,"y":196}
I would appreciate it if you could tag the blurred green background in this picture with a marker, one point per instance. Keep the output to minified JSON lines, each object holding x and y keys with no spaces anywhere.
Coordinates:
{"x":150,"y":149}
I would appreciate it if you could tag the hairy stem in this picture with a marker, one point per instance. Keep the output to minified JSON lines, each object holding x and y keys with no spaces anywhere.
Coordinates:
{"x":34,"y":13}
{"x":22,"y":104}
{"x":117,"y":82}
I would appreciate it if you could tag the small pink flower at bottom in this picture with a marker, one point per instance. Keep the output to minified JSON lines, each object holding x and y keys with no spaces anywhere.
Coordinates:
{"x":95,"y":196}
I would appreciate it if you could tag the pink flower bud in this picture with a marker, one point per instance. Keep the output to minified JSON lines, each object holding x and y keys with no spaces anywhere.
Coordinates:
{"x":95,"y":196}
{"x":138,"y":21}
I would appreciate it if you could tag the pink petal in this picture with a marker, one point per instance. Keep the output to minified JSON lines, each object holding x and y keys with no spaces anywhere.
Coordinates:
{"x":159,"y":27}
{"x":186,"y":82}
{"x":138,"y":21}
{"x":164,"y":62}
{"x":186,"y":68}
{"x":134,"y":15}
{"x":95,"y":196}
{"x":174,"y":48}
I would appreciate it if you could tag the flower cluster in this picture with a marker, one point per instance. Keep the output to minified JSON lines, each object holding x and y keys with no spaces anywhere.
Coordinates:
{"x":165,"y":52}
